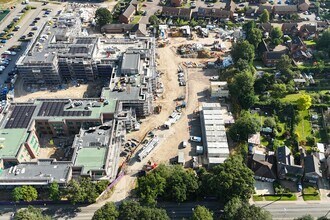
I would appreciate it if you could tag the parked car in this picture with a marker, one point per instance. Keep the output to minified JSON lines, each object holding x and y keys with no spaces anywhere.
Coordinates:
{"x":210,"y":5}
{"x":195,"y":139}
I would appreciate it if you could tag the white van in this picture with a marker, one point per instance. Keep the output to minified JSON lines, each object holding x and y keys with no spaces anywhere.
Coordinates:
{"x":7,"y":52}
{"x":184,"y":144}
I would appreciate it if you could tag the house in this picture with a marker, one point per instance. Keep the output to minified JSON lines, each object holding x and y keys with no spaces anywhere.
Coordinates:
{"x":266,"y":27}
{"x":271,"y":58}
{"x":219,"y":89}
{"x":290,"y":29}
{"x":286,"y":169}
{"x":128,"y":14}
{"x":213,"y":13}
{"x":139,"y":30}
{"x":250,"y":12}
{"x":263,"y":166}
{"x":257,"y":1}
{"x":298,"y":49}
{"x":306,"y":31}
{"x":327,"y":167}
{"x":183,"y":13}
{"x":322,"y":25}
{"x":285,"y":9}
{"x":231,"y":7}
{"x":261,"y":9}
{"x":312,"y":171}
{"x":176,"y":3}
{"x":320,"y":147}
{"x":262,"y":48}
{"x":303,"y":5}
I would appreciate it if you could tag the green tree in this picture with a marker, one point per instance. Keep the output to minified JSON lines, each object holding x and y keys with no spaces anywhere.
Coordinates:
{"x":232,"y":179}
{"x":305,"y":217}
{"x":89,"y":188}
{"x":242,"y":90}
{"x":74,"y":192}
{"x":102,"y":17}
{"x":150,"y":187}
{"x":243,"y":50}
{"x":276,"y":35}
{"x":242,"y":65}
{"x":248,"y":26}
{"x":264,"y":83}
{"x":131,"y":210}
{"x":153,"y":20}
{"x":25,"y":193}
{"x":279,"y":90}
{"x":323,"y":42}
{"x":254,"y":37}
{"x":54,"y":191}
{"x":237,"y":209}
{"x":202,"y":213}
{"x":244,"y":127}
{"x":31,"y":213}
{"x":106,"y":212}
{"x":269,"y":122}
{"x":284,"y":63}
{"x":264,"y":17}
{"x":304,"y":102}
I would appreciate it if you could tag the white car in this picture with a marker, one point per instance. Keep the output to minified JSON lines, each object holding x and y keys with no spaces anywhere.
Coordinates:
{"x":13,"y":53}
{"x":195,"y":139}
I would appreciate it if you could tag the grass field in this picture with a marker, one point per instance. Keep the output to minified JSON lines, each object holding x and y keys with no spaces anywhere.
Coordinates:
{"x":313,"y":194}
{"x":257,"y":198}
{"x":3,"y":14}
{"x":136,"y":19}
{"x":291,"y":197}
{"x":310,"y":42}
{"x":304,"y":127}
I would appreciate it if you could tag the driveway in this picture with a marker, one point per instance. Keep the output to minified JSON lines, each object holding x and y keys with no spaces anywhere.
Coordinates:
{"x":264,"y":188}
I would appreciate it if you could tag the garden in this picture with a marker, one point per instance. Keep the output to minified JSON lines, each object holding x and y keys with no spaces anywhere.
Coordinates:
{"x":311,"y":193}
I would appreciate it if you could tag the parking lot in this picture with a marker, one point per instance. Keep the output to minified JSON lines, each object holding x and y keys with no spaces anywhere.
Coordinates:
{"x":24,"y":28}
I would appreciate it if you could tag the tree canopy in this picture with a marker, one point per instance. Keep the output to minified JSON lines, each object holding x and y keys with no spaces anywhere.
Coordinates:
{"x":202,"y":213}
{"x":106,"y":212}
{"x":25,"y":193}
{"x":153,"y":20}
{"x":54,"y":191}
{"x":264,"y":17}
{"x":244,"y":126}
{"x":102,"y":17}
{"x":284,"y":63}
{"x":304,"y":102}
{"x":172,"y":183}
{"x":31,"y":213}
{"x":243,"y":50}
{"x":279,"y":90}
{"x":131,"y":210}
{"x":276,"y":35}
{"x":254,"y":37}
{"x":323,"y":42}
{"x":237,"y":209}
{"x":230,"y":179}
{"x":242,"y":90}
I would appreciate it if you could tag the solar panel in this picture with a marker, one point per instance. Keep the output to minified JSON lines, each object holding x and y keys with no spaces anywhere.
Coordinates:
{"x":74,"y":50}
{"x":20,"y":116}
{"x":55,"y":109}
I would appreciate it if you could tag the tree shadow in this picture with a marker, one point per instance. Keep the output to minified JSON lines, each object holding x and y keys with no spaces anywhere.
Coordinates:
{"x":63,"y":213}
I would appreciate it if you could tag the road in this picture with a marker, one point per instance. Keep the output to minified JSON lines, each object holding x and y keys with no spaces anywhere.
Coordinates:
{"x":290,"y":210}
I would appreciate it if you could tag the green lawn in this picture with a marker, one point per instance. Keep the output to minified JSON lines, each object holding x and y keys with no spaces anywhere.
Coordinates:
{"x":312,"y":192}
{"x":3,"y":14}
{"x":304,"y":127}
{"x":136,"y":19}
{"x":291,"y":97}
{"x":257,"y":198}
{"x":291,"y":197}
{"x":309,"y":42}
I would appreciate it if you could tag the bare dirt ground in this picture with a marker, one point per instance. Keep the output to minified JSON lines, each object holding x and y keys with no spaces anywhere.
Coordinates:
{"x":90,"y":90}
{"x":196,"y":92}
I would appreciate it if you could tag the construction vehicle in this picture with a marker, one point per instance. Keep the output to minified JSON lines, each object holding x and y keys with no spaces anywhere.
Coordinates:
{"x":181,"y":106}
{"x":158,"y":109}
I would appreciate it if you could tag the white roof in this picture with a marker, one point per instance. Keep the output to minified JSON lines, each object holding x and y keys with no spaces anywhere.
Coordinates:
{"x":216,"y":160}
{"x":320,"y":147}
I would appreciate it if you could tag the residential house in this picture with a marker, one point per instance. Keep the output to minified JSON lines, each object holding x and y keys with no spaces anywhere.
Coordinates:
{"x":322,"y":25}
{"x":285,"y":9}
{"x":308,"y":31}
{"x":213,"y":13}
{"x":182,"y":13}
{"x":176,"y":3}
{"x":290,"y":29}
{"x":312,"y":169}
{"x":271,"y":58}
{"x":262,"y":48}
{"x":231,"y":7}
{"x":263,"y":166}
{"x":132,"y":29}
{"x":128,"y":14}
{"x":253,"y":142}
{"x":298,"y":49}
{"x":303,"y":5}
{"x":327,"y":167}
{"x":250,"y":12}
{"x":286,"y":169}
{"x":257,"y":1}
{"x":261,"y":9}
{"x":266,"y":27}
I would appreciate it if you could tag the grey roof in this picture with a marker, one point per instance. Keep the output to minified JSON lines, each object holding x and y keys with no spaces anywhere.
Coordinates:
{"x":129,"y":11}
{"x":130,"y":61}
{"x":312,"y":165}
{"x":274,"y":55}
{"x":212,"y":12}
{"x":263,"y":7}
{"x":284,"y":155}
{"x":285,"y":8}
{"x":42,"y":172}
{"x":131,"y":94}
